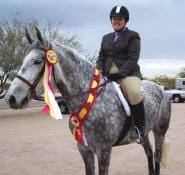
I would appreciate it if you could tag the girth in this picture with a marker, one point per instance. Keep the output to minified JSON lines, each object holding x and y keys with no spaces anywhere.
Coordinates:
{"x":126,"y":128}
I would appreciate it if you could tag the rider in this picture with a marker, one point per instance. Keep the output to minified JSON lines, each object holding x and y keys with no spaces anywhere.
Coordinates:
{"x":118,"y":60}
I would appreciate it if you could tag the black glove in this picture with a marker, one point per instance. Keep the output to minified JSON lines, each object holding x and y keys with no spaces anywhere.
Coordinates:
{"x":114,"y":77}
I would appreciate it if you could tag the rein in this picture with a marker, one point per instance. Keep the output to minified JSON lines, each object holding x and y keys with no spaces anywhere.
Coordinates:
{"x":40,"y":98}
{"x":85,"y":92}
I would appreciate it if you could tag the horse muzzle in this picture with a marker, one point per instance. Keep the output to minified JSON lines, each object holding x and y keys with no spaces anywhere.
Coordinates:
{"x":14,"y":103}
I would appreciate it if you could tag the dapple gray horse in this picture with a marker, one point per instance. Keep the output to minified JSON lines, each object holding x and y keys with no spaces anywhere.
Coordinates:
{"x":106,"y":120}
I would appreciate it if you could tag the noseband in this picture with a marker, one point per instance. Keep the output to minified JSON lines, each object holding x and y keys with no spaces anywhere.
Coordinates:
{"x":34,"y":84}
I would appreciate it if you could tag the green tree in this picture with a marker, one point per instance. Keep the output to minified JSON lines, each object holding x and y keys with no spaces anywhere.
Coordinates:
{"x":165,"y":81}
{"x":181,"y":74}
{"x":52,"y":31}
{"x":12,"y":47}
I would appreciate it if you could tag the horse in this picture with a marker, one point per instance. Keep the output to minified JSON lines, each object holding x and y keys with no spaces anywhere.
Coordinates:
{"x":104,"y":124}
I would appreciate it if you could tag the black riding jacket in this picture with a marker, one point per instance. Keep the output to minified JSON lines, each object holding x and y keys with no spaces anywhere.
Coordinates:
{"x":124,"y":52}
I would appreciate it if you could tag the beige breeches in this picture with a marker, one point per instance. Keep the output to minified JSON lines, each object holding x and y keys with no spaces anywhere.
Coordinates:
{"x":130,"y":84}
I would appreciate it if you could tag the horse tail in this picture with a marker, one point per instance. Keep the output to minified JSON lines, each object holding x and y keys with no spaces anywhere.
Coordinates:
{"x":166,"y":111}
{"x":165,"y":153}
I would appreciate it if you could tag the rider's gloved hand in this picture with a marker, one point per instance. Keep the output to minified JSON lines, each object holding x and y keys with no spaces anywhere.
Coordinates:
{"x":114,"y":77}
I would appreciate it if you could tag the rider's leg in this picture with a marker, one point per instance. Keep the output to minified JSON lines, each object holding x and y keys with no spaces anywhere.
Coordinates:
{"x":139,"y":118}
{"x":132,"y":86}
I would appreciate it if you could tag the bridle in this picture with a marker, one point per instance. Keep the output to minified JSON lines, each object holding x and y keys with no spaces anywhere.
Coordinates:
{"x":32,"y":86}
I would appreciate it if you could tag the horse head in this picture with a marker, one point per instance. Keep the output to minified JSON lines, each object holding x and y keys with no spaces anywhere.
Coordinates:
{"x":27,"y":83}
{"x":72,"y":73}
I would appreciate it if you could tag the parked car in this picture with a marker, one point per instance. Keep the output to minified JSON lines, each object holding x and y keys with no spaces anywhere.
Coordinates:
{"x":175,"y":95}
{"x":63,"y":107}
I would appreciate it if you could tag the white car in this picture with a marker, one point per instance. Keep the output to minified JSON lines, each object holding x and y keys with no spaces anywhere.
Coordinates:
{"x":176,"y":95}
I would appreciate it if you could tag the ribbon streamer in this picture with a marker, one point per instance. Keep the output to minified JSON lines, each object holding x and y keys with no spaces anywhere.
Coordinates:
{"x":49,"y":98}
{"x":77,"y":119}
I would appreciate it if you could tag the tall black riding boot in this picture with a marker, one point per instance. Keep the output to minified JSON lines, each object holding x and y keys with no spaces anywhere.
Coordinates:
{"x":138,"y":113}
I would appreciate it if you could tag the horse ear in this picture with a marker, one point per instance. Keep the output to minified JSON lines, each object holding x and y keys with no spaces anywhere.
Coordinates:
{"x":28,"y":36}
{"x":39,"y":36}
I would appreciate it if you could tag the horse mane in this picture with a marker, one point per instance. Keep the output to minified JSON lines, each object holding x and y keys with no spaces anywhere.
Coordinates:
{"x":73,"y":72}
{"x":72,"y":54}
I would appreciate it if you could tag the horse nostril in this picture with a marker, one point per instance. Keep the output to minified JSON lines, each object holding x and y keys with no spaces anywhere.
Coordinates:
{"x":12,"y":100}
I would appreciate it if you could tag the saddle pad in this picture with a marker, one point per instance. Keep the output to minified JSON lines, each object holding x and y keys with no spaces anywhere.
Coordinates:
{"x":122,"y":98}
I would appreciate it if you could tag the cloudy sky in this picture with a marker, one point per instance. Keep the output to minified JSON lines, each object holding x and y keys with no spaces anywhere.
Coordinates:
{"x":160,"y":23}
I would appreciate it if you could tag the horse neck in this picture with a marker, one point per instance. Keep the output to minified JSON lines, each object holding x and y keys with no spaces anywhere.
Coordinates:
{"x":72,"y":76}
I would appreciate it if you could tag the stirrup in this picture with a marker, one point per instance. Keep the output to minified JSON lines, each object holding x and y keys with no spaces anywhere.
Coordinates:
{"x":139,"y":141}
{"x":135,"y":136}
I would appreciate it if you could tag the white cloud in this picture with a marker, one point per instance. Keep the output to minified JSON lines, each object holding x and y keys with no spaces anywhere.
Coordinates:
{"x":160,"y":23}
{"x":152,"y":67}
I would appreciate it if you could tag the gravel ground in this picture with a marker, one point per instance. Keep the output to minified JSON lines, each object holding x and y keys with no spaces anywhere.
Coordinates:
{"x":31,"y":143}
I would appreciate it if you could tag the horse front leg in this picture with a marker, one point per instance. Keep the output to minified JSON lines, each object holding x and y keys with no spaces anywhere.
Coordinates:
{"x":104,"y":154}
{"x":88,"y":158}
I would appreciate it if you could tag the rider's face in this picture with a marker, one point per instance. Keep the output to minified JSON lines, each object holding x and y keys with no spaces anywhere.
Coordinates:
{"x":118,"y":23}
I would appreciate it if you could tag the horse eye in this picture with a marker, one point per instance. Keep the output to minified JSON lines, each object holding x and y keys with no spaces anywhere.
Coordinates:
{"x":37,"y":61}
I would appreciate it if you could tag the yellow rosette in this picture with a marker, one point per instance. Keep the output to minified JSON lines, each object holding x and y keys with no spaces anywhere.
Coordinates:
{"x":51,"y":57}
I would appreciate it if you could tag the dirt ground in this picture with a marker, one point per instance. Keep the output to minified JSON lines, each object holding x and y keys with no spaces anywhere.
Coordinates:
{"x":31,"y":143}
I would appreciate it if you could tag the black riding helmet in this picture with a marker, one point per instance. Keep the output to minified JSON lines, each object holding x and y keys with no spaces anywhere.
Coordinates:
{"x":120,"y":11}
